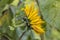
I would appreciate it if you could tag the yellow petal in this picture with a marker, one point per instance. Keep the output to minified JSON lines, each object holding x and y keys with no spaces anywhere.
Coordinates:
{"x":39,"y":22}
{"x":27,"y":10}
{"x":37,"y":29}
{"x":36,"y":20}
{"x":34,"y":14}
{"x":37,"y":17}
{"x":31,"y":8}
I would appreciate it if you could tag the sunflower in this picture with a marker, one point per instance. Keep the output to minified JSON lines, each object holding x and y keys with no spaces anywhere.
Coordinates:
{"x":34,"y":19}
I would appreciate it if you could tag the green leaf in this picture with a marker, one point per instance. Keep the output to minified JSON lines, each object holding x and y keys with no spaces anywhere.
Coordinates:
{"x":50,"y":10}
{"x":10,"y":1}
{"x":2,"y":5}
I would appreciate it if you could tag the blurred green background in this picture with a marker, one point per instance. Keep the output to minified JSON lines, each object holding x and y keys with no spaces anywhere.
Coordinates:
{"x":12,"y":25}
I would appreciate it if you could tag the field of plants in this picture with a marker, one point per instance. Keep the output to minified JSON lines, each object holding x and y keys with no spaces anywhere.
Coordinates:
{"x":29,"y":19}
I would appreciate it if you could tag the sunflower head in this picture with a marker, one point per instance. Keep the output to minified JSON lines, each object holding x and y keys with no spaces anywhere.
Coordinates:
{"x":34,"y":20}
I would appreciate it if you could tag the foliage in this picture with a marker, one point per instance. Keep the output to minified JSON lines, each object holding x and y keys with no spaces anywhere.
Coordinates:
{"x":13,"y":26}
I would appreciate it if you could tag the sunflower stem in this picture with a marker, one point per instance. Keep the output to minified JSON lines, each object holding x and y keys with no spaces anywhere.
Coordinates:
{"x":42,"y":37}
{"x":39,"y":8}
{"x":22,"y":34}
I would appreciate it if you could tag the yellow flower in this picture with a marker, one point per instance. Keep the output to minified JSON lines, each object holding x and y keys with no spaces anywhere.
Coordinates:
{"x":35,"y":19}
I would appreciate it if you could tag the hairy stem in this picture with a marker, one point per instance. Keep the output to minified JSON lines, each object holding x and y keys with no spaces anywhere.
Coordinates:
{"x":39,"y":8}
{"x":22,"y":34}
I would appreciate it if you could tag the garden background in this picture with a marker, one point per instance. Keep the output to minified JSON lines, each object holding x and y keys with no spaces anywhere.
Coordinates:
{"x":12,"y":26}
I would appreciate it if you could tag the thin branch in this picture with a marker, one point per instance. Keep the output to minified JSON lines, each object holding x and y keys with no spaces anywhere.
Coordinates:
{"x":42,"y":36}
{"x":22,"y":34}
{"x":20,"y":2}
{"x":39,"y":8}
